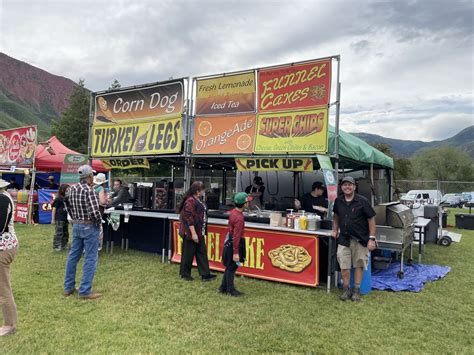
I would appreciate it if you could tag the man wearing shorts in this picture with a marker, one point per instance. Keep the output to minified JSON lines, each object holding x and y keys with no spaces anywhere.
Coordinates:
{"x":354,"y":228}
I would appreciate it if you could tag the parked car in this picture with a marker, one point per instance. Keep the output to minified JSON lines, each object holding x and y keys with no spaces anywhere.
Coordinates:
{"x":423,"y":197}
{"x":452,"y":200}
{"x":468,"y":196}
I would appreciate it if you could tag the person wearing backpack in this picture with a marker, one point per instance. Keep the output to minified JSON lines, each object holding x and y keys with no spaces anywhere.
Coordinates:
{"x":234,"y":245}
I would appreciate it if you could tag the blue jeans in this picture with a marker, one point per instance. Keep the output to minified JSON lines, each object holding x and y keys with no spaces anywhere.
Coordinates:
{"x":85,"y":237}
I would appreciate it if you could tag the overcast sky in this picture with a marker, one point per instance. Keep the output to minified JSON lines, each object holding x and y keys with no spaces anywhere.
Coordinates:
{"x":406,"y":66}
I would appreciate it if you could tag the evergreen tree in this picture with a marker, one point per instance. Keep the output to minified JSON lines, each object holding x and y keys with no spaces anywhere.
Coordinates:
{"x":72,"y":129}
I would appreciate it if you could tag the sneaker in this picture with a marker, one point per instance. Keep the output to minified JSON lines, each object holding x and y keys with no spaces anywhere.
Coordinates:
{"x":90,"y":296}
{"x":222,"y":290}
{"x":236,"y":293}
{"x":187,"y":278}
{"x":356,"y":295}
{"x":57,"y":249}
{"x":209,"y":277}
{"x":7,"y":330}
{"x":346,"y":295}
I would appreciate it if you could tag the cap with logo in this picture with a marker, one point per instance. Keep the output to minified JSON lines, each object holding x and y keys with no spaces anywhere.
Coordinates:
{"x":349,"y":179}
{"x":241,"y":197}
{"x":85,"y":171}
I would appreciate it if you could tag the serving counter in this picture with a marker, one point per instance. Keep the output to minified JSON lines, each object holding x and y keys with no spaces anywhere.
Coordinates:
{"x":273,"y":253}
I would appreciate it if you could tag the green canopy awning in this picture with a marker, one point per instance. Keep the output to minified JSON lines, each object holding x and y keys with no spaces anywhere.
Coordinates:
{"x":355,"y":153}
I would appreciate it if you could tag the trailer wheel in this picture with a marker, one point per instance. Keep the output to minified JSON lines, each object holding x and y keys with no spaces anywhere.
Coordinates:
{"x":400,"y":274}
{"x":445,"y":241}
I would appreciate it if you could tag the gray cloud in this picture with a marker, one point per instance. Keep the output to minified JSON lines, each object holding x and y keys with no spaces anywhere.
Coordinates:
{"x":400,"y":60}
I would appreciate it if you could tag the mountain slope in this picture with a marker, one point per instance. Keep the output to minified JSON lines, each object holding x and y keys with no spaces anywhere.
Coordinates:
{"x":463,"y":140}
{"x":29,"y":95}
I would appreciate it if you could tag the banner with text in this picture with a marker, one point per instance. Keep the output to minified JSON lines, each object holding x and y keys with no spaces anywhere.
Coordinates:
{"x":329,"y":179}
{"x":148,"y":102}
{"x":126,"y":163}
{"x":152,"y":138}
{"x":226,"y":94}
{"x":274,"y":164}
{"x":17,"y":147}
{"x":21,"y":212}
{"x":292,"y":132}
{"x":72,"y":162}
{"x":45,"y":201}
{"x":277,"y":256}
{"x":293,"y":87}
{"x":224,"y":135}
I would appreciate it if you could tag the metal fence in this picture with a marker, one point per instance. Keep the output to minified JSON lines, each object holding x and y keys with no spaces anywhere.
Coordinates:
{"x":444,"y":186}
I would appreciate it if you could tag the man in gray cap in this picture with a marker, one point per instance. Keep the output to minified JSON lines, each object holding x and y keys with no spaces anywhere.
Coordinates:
{"x":83,"y":205}
{"x":354,"y":228}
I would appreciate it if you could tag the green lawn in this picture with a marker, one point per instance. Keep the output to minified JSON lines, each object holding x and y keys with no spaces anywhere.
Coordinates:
{"x":147,"y":309}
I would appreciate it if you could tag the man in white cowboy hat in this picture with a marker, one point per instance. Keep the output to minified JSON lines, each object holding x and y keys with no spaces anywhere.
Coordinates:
{"x":100,"y":188}
{"x":8,"y":250}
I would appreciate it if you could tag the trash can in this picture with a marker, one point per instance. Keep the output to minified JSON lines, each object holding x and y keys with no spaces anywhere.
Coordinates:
{"x":366,"y":284}
{"x":465,"y":221}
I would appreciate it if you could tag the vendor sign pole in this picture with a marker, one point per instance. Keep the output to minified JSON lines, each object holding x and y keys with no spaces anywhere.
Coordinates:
{"x":331,"y":262}
{"x":91,"y":119}
{"x":30,"y":196}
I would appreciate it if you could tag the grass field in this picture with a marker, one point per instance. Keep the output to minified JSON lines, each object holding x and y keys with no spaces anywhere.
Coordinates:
{"x":145,"y":308}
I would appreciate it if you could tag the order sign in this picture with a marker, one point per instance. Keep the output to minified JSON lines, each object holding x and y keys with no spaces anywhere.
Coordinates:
{"x":294,"y":87}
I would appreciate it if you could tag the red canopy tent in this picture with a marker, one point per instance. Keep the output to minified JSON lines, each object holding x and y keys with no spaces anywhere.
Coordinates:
{"x":50,"y":156}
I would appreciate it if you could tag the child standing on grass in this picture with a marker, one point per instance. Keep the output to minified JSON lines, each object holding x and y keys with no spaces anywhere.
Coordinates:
{"x":59,"y":218}
{"x":234,"y":245}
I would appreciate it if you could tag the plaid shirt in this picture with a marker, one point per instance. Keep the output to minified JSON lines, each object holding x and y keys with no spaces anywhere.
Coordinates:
{"x":82,"y":203}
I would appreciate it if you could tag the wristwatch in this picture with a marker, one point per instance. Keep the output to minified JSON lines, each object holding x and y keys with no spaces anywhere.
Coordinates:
{"x":372,"y":238}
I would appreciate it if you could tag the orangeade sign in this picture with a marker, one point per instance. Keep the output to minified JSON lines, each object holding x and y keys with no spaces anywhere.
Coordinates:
{"x":158,"y":137}
{"x":277,"y":256}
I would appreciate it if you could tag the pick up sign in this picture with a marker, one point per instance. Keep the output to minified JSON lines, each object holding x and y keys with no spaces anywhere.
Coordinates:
{"x":274,"y":164}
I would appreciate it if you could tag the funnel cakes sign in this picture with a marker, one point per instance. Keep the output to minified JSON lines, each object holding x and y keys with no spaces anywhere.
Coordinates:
{"x":126,"y":106}
{"x":294,"y":87}
{"x":17,"y":147}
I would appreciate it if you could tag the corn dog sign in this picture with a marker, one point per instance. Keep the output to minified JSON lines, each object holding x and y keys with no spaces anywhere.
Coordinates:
{"x":145,"y":103}
{"x":292,"y":132}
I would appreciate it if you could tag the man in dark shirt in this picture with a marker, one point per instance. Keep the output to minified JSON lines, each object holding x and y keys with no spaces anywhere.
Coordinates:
{"x":120,"y":194}
{"x":52,"y":184}
{"x":354,"y":227}
{"x":13,"y":184}
{"x":314,"y":201}
{"x":83,"y":205}
{"x":256,"y":191}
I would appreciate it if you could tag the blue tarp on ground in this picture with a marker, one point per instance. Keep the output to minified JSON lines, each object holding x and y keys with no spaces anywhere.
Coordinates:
{"x":414,"y":280}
